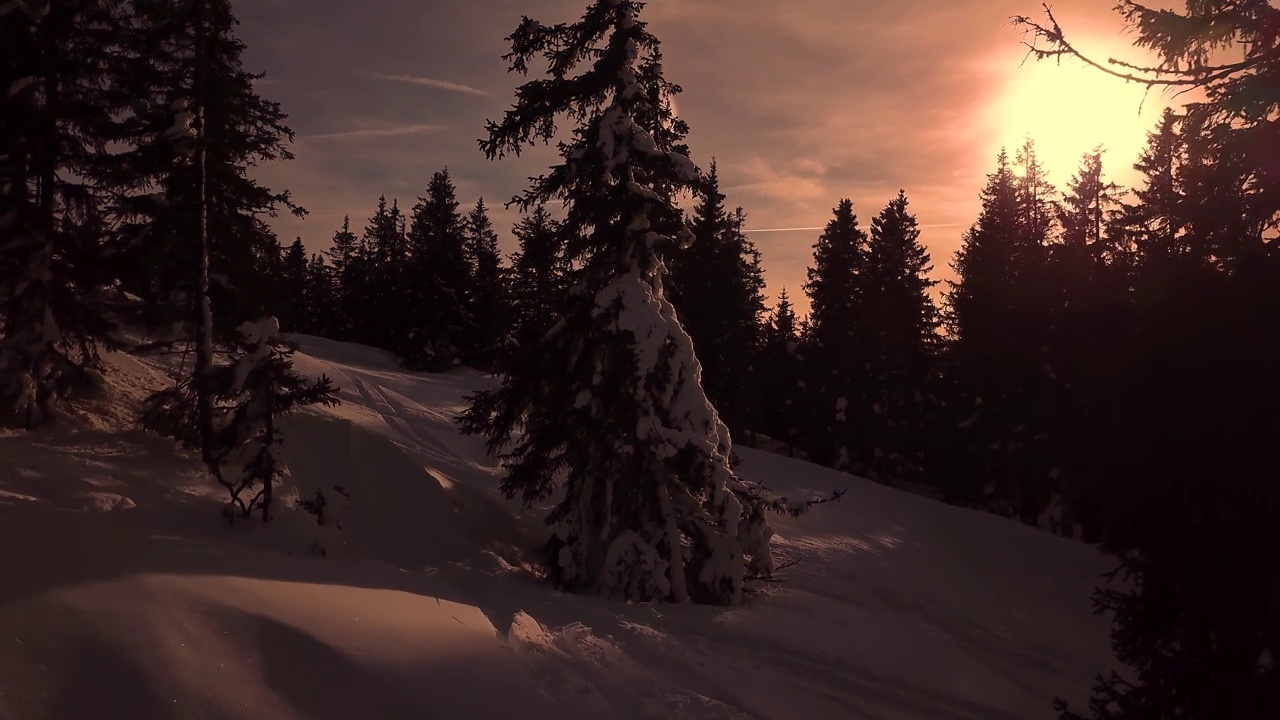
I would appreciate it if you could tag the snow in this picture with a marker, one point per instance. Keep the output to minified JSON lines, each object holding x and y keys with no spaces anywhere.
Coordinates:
{"x":256,"y":336}
{"x":12,"y":5}
{"x":183,"y":120}
{"x":685,"y":169}
{"x":124,"y":589}
{"x":20,"y":84}
{"x":259,"y":331}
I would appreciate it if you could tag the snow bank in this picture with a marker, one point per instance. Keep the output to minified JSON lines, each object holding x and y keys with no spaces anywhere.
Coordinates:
{"x":124,"y":592}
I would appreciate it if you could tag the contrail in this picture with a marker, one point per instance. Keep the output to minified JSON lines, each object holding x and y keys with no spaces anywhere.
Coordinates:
{"x":434,"y":83}
{"x":392,"y":131}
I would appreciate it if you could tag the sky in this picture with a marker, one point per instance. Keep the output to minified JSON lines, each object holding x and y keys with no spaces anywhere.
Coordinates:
{"x":801,"y":102}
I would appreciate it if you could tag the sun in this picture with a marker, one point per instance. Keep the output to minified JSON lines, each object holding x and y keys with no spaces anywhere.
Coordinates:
{"x":1068,"y":109}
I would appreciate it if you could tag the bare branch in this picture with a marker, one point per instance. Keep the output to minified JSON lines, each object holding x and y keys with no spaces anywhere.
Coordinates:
{"x":1059,"y":46}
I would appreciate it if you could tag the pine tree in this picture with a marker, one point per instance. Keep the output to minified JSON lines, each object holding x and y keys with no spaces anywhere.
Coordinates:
{"x":382,"y":259}
{"x":835,"y":362}
{"x":900,"y":342}
{"x":197,"y":124}
{"x":260,"y":388}
{"x":348,"y":288}
{"x":322,"y":301}
{"x":650,"y":507}
{"x":979,"y":314}
{"x":1182,"y":452}
{"x":300,"y":317}
{"x":1085,"y":208}
{"x":487,"y":302}
{"x":717,"y":289}
{"x":1156,"y":223}
{"x":60,"y":65}
{"x":539,"y":275}
{"x":1089,"y":280}
{"x":778,"y":371}
{"x":439,"y":279}
{"x":745,"y":328}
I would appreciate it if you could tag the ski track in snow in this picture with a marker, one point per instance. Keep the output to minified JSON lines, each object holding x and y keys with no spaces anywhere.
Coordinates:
{"x":122,"y":588}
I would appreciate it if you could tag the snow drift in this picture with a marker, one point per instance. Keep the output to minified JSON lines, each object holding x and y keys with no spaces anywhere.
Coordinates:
{"x":124,"y":593}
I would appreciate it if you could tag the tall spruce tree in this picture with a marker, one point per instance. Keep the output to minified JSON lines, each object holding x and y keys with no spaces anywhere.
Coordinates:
{"x":299,"y":318}
{"x":979,"y":309}
{"x":746,"y":326}
{"x":1156,"y":222}
{"x":539,"y":275}
{"x":1087,"y":209}
{"x":777,"y":373}
{"x":384,"y":255}
{"x":197,"y":125}
{"x":488,"y":299}
{"x":60,"y":65}
{"x":835,"y":361}
{"x":649,"y":506}
{"x":1001,"y":312}
{"x":1089,"y":280}
{"x":438,"y":279}
{"x":717,"y":289}
{"x":322,"y":300}
{"x":900,"y":344}
{"x":349,"y":290}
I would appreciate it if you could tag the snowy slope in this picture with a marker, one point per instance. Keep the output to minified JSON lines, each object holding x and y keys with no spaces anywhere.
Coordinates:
{"x":123,"y":594}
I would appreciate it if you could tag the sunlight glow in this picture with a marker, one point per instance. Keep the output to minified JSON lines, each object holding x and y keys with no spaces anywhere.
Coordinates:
{"x":1068,"y":109}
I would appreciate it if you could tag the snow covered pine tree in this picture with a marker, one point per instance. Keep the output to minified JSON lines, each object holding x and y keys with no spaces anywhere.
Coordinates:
{"x":262,"y":387}
{"x":608,"y":404}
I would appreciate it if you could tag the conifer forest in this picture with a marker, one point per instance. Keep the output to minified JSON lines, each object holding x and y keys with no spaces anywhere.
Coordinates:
{"x":617,"y":409}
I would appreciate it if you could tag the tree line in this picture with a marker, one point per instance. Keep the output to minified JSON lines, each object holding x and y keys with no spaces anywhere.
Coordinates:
{"x":1102,"y":366}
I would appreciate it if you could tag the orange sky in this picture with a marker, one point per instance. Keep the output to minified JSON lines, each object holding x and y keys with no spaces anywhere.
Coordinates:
{"x":802,"y":102}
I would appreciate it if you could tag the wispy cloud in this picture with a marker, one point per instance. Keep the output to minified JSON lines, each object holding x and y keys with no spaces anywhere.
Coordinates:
{"x":393,"y":131}
{"x":433,"y":83}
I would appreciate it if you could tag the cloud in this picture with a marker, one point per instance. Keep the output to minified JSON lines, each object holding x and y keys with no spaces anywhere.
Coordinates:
{"x":433,"y":83}
{"x":802,"y":103}
{"x":393,"y":131}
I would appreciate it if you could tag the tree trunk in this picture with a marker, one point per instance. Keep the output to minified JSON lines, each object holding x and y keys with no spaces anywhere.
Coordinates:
{"x":203,"y":324}
{"x":269,"y":436}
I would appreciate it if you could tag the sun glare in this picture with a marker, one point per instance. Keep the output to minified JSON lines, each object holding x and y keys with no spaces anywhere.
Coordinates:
{"x":1068,"y":109}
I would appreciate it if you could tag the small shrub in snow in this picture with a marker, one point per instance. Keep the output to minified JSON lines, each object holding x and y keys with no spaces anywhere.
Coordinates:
{"x":263,"y":386}
{"x":327,"y":506}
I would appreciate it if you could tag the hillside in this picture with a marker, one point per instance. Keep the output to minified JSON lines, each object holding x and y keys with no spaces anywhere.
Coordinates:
{"x":123,"y":593}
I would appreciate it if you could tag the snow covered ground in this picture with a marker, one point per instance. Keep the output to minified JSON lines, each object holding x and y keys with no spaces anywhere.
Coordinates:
{"x":123,"y":593}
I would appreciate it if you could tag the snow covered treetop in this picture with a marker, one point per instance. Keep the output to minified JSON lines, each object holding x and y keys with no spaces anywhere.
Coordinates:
{"x":626,"y":150}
